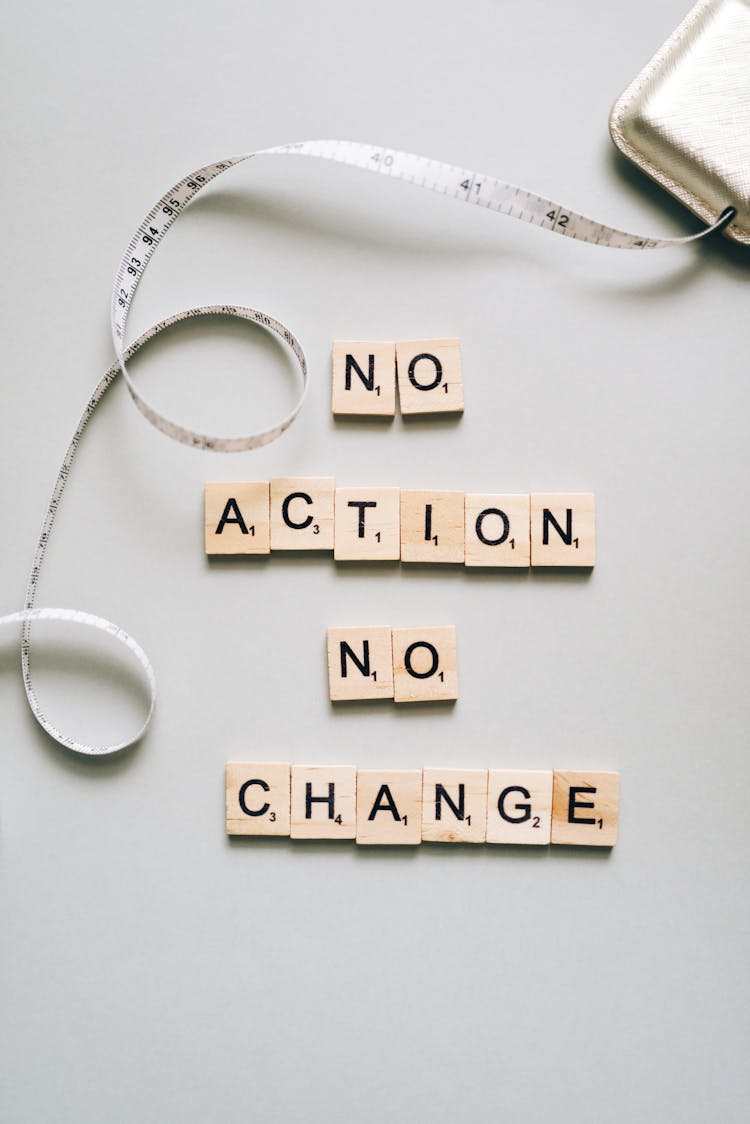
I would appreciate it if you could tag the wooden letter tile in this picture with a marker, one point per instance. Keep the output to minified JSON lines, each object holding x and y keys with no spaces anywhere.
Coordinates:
{"x":236,"y":519}
{"x":432,"y":526}
{"x":324,"y":802}
{"x":302,"y":513}
{"x":364,"y":377}
{"x":429,"y":376}
{"x":562,"y":530}
{"x":257,"y":798}
{"x":367,"y":525}
{"x":454,"y":805}
{"x":585,"y":809}
{"x":360,"y":664}
{"x":424,"y":664}
{"x":389,"y":806}
{"x":519,"y":806}
{"x":497,"y":530}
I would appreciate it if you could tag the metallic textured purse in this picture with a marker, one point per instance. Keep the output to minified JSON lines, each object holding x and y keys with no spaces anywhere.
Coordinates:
{"x":685,"y":120}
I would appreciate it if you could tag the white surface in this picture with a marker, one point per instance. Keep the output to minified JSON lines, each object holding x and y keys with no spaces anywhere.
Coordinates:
{"x":154,"y":971}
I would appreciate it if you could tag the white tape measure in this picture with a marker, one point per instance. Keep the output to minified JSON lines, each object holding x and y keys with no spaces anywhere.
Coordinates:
{"x":457,"y":183}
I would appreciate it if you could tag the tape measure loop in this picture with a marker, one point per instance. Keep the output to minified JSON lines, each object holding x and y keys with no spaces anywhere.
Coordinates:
{"x":87,"y":620}
{"x":213,"y":442}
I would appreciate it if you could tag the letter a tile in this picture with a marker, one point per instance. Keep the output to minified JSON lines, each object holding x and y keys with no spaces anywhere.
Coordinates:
{"x":389,"y":806}
{"x":236,"y":519}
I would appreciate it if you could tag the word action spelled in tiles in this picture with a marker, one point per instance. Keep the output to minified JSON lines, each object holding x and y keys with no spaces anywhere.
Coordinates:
{"x":403,"y":664}
{"x":365,"y":372}
{"x":372,"y":524}
{"x":411,"y":806}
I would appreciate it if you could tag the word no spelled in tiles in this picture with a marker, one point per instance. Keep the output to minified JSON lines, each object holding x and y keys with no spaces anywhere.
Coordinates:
{"x":365,"y":374}
{"x":369,"y":524}
{"x":434,"y":805}
{"x":403,"y":664}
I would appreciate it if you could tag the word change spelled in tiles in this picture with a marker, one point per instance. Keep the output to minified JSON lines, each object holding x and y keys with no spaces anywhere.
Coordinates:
{"x":364,"y":378}
{"x":404,"y":664}
{"x":302,"y":513}
{"x":434,"y":805}
{"x":389,"y":524}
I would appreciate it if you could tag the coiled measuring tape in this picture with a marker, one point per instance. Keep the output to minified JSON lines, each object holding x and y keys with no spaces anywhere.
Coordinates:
{"x":446,"y":179}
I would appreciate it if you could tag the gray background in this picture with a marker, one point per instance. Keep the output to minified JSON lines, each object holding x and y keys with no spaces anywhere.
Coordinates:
{"x":154,"y":970}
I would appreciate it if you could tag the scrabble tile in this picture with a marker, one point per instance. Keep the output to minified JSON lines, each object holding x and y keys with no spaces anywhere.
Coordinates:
{"x":324,"y":802}
{"x":454,"y":805}
{"x":389,"y":806}
{"x":497,"y":530}
{"x":360,"y":664}
{"x":424,"y":664}
{"x":519,"y":806}
{"x":302,"y":513}
{"x":257,"y":798}
{"x":364,"y":377}
{"x":562,"y":530}
{"x":367,"y":525}
{"x":429,"y":376}
{"x":236,"y":519}
{"x":585,"y":808}
{"x":432,"y":526}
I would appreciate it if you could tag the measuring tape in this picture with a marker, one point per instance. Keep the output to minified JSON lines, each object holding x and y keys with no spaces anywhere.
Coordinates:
{"x":446,"y":179}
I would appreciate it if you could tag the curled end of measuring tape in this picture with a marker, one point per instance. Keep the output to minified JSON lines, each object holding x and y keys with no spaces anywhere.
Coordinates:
{"x":204,"y":440}
{"x":75,"y":616}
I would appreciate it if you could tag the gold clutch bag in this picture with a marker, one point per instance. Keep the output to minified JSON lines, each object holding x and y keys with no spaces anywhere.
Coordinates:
{"x":685,"y":120}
